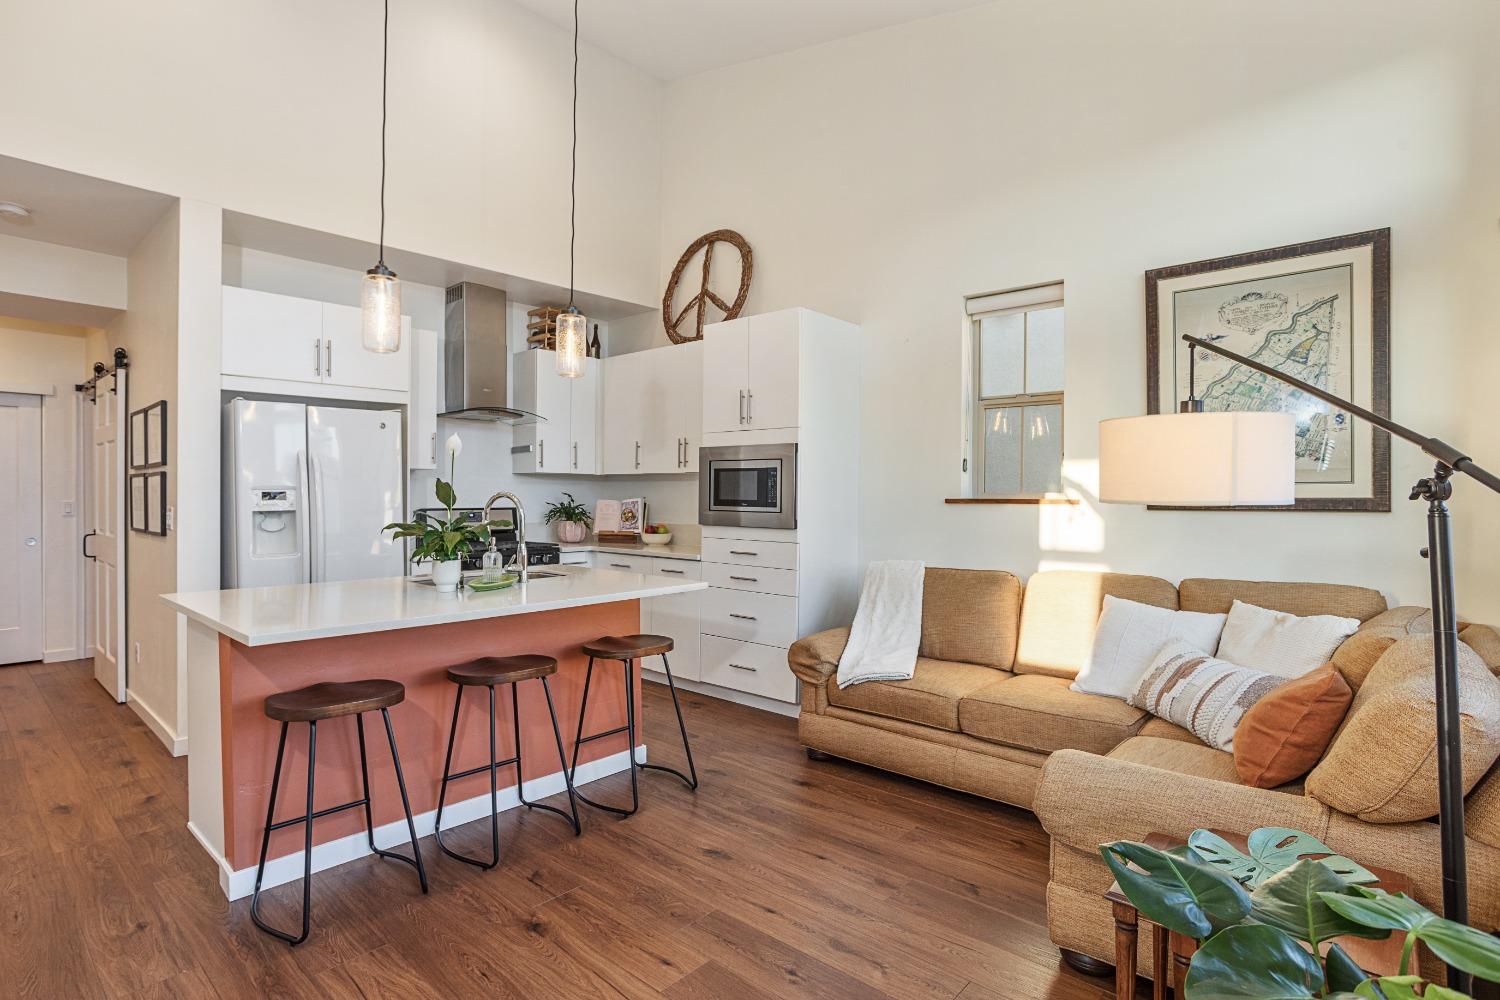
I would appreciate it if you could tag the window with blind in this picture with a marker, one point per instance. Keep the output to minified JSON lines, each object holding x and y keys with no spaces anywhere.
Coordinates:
{"x":1015,"y":446}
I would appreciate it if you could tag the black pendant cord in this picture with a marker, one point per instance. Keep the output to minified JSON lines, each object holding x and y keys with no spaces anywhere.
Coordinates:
{"x":573,"y":180}
{"x":385,"y":68}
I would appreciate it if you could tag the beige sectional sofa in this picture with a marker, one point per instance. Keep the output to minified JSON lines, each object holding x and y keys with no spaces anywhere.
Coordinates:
{"x":989,"y":711}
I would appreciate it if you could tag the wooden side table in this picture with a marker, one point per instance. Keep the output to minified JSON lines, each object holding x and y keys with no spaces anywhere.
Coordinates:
{"x":1380,"y":958}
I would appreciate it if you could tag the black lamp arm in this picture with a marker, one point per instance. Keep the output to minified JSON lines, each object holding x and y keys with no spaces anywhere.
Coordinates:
{"x":1440,"y":450}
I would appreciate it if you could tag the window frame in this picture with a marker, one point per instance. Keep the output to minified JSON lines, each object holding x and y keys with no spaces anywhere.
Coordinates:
{"x":980,"y":405}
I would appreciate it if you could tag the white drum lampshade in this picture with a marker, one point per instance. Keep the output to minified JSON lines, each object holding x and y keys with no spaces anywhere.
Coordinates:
{"x":1198,"y":460}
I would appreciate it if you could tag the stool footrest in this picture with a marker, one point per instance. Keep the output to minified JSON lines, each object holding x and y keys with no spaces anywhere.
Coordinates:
{"x":599,"y":736}
{"x":481,"y":769}
{"x":282,"y":824}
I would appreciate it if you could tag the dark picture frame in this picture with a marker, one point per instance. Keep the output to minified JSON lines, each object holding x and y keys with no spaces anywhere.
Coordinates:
{"x":148,"y":436}
{"x":1370,"y":368}
{"x":148,"y":502}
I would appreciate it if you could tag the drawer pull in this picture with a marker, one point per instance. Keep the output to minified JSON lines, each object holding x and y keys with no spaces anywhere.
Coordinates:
{"x":745,"y":579}
{"x":744,"y":618}
{"x":677,"y":572}
{"x":619,"y":565}
{"x":740,"y":666}
{"x":739,"y":552}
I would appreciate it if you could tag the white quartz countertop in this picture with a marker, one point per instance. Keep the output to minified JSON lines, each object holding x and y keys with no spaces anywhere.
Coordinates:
{"x":672,"y":550}
{"x":260,"y":616}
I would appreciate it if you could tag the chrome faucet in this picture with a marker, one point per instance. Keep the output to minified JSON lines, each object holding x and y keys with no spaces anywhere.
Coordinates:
{"x":518,"y":561}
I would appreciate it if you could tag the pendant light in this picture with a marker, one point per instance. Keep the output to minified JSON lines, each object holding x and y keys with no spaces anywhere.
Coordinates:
{"x":572,"y":325}
{"x":380,"y":296}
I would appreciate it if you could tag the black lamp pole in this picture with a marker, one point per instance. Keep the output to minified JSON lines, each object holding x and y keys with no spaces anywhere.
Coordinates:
{"x":1436,"y":490}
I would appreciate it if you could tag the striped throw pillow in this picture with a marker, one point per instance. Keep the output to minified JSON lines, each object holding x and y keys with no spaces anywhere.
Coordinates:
{"x":1203,"y":695}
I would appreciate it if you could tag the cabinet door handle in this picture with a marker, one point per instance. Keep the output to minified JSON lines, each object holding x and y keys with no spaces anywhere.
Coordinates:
{"x":742,"y":407}
{"x":318,"y":357}
{"x":328,"y":347}
{"x":742,"y":552}
{"x":637,"y":454}
{"x":745,"y":579}
{"x":741,"y":666}
{"x":749,"y":406}
{"x":675,"y":572}
{"x":434,"y":446}
{"x":575,"y":454}
{"x":744,"y":618}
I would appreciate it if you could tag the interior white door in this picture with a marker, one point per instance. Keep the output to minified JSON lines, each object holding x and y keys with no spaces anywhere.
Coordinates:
{"x":20,"y":527}
{"x":106,"y":544}
{"x":345,"y":360}
{"x":773,"y":376}
{"x":725,"y":375}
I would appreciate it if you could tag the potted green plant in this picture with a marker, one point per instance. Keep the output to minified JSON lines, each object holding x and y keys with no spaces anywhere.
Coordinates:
{"x":442,"y":541}
{"x":1265,"y":941}
{"x":570,"y":518}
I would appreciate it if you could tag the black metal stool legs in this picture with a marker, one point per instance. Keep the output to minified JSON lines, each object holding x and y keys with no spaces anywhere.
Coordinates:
{"x":682,"y":728}
{"x":493,"y":767}
{"x":307,"y":820}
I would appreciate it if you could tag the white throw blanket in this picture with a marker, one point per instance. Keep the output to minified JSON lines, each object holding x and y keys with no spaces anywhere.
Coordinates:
{"x":887,"y":628}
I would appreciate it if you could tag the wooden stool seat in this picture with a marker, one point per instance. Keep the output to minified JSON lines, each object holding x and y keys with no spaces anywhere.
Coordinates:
{"x":333,"y":699}
{"x":488,"y":671}
{"x":628,"y":647}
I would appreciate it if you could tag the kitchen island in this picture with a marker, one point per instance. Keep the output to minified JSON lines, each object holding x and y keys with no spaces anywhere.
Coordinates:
{"x":243,"y":645}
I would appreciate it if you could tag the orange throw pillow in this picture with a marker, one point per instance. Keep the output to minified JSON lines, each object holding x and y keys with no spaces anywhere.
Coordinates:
{"x":1284,"y":734}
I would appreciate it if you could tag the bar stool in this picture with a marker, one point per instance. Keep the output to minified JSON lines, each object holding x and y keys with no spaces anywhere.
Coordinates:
{"x":627,"y":649}
{"x":313,"y":704}
{"x":489,"y":671}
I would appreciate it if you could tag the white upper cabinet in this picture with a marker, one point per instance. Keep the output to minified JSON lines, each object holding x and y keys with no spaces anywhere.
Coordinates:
{"x":653,"y":410}
{"x":565,"y":442}
{"x":422,"y":407}
{"x":624,"y":412}
{"x":750,"y":372}
{"x":289,"y":339}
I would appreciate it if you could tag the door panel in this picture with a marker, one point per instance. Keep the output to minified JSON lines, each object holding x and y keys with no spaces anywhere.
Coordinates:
{"x":20,"y":528}
{"x":622,"y":426}
{"x":272,"y":336}
{"x":107,"y":546}
{"x":355,"y":480}
{"x":583,"y":419}
{"x":554,"y":400}
{"x":725,"y":375}
{"x":345,"y":360}
{"x":773,"y":358}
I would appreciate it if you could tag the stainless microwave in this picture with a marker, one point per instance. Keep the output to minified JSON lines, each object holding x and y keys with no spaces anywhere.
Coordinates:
{"x":748,"y":486}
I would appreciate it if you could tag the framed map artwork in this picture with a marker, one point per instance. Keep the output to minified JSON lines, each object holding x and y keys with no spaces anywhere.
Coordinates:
{"x":1318,"y":311}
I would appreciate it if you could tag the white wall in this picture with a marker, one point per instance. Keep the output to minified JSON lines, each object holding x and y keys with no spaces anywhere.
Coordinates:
{"x":882,"y":178}
{"x":273,"y":109}
{"x":51,"y":354}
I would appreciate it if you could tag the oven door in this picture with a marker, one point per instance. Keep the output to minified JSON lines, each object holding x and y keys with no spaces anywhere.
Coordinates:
{"x":749,"y":486}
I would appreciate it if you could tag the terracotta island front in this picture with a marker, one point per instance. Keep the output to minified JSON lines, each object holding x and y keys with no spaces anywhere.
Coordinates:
{"x":243,"y":645}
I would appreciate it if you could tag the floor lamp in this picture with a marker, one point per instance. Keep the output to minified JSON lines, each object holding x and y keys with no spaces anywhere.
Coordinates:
{"x":1197,"y":459}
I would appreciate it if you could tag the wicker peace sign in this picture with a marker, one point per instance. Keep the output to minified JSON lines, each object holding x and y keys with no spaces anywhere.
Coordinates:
{"x":705,"y":295}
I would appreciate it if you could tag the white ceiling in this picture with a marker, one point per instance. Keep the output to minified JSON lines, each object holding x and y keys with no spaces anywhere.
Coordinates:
{"x":670,"y":39}
{"x":74,"y":210}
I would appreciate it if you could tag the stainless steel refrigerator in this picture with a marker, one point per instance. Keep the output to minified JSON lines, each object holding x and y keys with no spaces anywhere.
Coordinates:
{"x":307,"y":490}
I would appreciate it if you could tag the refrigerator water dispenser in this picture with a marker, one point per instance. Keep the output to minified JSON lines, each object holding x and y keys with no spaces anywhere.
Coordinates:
{"x":273,"y":519}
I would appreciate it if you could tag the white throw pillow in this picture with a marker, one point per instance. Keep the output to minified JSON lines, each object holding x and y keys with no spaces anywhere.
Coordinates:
{"x":1279,"y":643}
{"x":1128,"y":637}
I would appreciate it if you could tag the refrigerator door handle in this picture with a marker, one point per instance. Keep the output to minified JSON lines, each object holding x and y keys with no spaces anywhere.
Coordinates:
{"x":306,"y":520}
{"x":317,"y":525}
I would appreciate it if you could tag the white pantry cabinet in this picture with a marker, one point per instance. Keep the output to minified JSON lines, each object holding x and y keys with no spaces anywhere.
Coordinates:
{"x":565,"y":442}
{"x":751,"y":372}
{"x":653,"y":410}
{"x":290,"y":339}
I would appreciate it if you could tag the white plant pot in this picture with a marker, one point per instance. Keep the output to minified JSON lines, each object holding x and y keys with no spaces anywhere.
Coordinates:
{"x":447,"y":574}
{"x":570,"y":532}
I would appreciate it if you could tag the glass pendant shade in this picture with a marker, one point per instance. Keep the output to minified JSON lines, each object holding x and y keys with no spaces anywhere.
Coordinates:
{"x":572,"y":343}
{"x":380,"y":305}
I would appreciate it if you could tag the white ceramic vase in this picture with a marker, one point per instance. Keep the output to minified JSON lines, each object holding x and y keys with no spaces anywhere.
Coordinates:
{"x":447,"y":574}
{"x":571,"y":532}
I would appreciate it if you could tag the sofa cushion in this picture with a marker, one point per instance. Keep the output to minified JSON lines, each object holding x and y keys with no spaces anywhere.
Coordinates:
{"x":1061,"y":608}
{"x":1178,"y":757}
{"x":1482,"y":810}
{"x":1162,"y":729}
{"x":1382,"y":766}
{"x":971,"y":616}
{"x":1040,"y":713}
{"x":930,"y":698}
{"x":1302,"y":599}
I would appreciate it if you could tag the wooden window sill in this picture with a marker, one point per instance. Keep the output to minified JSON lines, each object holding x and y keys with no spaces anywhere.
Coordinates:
{"x":1034,"y":501}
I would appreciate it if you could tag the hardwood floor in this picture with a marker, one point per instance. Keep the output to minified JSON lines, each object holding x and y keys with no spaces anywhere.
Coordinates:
{"x":780,"y":878}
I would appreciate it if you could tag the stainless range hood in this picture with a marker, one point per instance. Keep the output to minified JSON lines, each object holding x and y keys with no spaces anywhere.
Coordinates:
{"x":476,"y":357}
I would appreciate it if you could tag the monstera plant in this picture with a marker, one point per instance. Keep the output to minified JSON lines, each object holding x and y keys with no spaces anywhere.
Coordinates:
{"x":1261,"y":919}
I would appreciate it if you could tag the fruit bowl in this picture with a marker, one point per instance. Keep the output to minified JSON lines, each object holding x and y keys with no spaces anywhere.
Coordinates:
{"x":661,"y":539}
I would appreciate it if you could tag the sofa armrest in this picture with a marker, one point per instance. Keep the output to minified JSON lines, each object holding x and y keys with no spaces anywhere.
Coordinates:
{"x":815,"y":658}
{"x":1085,"y":800}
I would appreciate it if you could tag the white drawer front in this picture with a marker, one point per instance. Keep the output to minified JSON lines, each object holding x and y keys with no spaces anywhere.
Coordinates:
{"x":775,"y":555}
{"x":748,"y":667}
{"x":632,"y":564}
{"x":757,"y":578}
{"x":677,"y":567}
{"x":742,"y":614}
{"x":576,"y":559}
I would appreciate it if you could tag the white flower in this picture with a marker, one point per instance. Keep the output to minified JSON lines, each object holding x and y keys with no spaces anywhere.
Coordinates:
{"x":455,"y":446}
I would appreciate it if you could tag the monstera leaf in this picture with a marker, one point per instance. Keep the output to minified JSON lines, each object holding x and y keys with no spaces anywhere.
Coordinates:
{"x":1343,"y":973}
{"x":1176,"y":888}
{"x":1458,"y":945}
{"x":1405,"y":988}
{"x":1272,"y":849}
{"x":1253,"y":961}
{"x":1291,"y":900}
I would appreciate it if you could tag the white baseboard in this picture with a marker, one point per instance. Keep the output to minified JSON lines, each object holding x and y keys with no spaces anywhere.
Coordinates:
{"x":62,"y":655}
{"x":177,"y":745}
{"x":288,"y":868}
{"x":725,"y":694}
